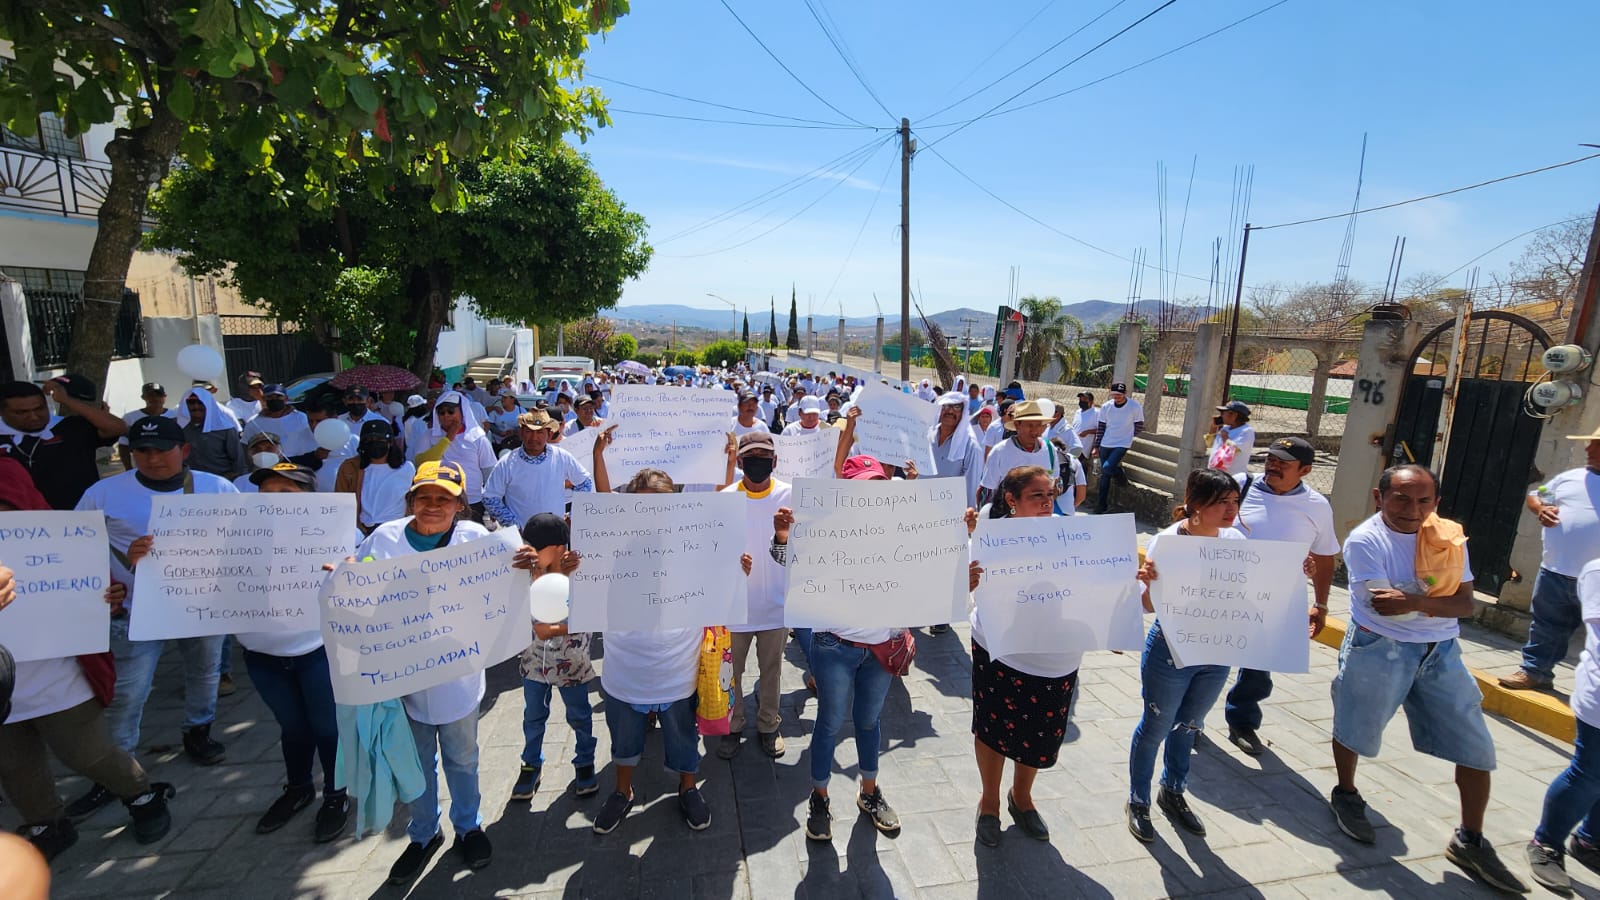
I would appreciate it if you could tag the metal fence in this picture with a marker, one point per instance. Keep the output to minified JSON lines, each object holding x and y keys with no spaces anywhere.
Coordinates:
{"x":279,"y":350}
{"x":52,"y":314}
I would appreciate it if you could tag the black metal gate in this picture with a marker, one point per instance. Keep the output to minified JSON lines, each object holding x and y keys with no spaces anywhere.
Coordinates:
{"x":264,"y":344}
{"x":1489,"y":449}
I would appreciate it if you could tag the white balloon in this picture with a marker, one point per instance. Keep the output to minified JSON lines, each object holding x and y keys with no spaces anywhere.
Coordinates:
{"x":332,"y":434}
{"x":1048,"y":407}
{"x":200,"y":362}
{"x":547,"y":598}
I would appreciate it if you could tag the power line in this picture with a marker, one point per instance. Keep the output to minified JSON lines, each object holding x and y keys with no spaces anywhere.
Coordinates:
{"x":1470,"y":187}
{"x":1030,"y":60}
{"x":656,"y":115}
{"x":849,"y":63}
{"x":797,"y":79}
{"x":1003,"y":44}
{"x":1442,"y":278}
{"x":1052,"y":73}
{"x":860,"y":231}
{"x":686,"y":99}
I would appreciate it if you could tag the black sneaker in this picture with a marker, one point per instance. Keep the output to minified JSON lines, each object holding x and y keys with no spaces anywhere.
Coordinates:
{"x":612,"y":814}
{"x":1351,"y":813}
{"x":332,"y":816}
{"x":879,"y":811}
{"x":413,"y":859}
{"x":587,"y":782}
{"x":1547,"y":867}
{"x":695,"y":811}
{"x":1028,"y":819}
{"x":1246,"y":740}
{"x":938,"y":629}
{"x":291,"y":801}
{"x":151,"y":821}
{"x":988,"y":830}
{"x":1139,"y":822}
{"x":527,"y":783}
{"x":201,"y":748}
{"x":1584,"y":852}
{"x":50,"y":839}
{"x":1479,"y":858}
{"x":474,"y":848}
{"x":728,"y":746}
{"x":819,"y":822}
{"x":1178,"y":808}
{"x":89,"y":804}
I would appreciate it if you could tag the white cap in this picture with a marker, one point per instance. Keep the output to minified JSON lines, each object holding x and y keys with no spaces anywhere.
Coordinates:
{"x":810,"y":405}
{"x":414,"y":401}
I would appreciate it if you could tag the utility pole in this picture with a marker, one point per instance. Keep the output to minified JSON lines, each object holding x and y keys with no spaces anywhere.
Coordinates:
{"x":1233,"y":332}
{"x":966,"y":343}
{"x":906,"y":151}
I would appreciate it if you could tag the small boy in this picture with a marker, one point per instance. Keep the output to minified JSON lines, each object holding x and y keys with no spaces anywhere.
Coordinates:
{"x":556,"y":659}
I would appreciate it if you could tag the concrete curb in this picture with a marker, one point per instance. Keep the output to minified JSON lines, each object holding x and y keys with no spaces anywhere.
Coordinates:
{"x":1532,"y":709}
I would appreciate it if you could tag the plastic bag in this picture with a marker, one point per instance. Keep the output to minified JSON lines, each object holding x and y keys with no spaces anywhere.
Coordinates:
{"x":1222,"y":456}
{"x":714,"y":705}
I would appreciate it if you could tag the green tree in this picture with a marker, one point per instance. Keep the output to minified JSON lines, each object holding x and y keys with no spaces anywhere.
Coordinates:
{"x":382,"y":87}
{"x":746,"y":336}
{"x":621,"y":347}
{"x":1047,"y":329}
{"x":772,"y":324}
{"x":793,"y":340}
{"x":538,"y":241}
{"x":718,"y":352}
{"x":590,"y":337}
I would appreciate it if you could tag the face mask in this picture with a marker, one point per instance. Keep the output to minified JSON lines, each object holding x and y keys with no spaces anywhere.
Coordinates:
{"x":276,"y":404}
{"x":375,"y":449}
{"x":1084,"y":404}
{"x":757,"y":469}
{"x":264,"y":460}
{"x":356,"y":410}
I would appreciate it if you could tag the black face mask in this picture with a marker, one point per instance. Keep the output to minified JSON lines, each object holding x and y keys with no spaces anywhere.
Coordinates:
{"x":1084,"y":404}
{"x":757,"y":468}
{"x":276,"y":404}
{"x":356,"y":411}
{"x":375,"y":449}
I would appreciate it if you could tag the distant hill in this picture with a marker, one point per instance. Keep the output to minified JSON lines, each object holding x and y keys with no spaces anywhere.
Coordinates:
{"x":1089,"y":312}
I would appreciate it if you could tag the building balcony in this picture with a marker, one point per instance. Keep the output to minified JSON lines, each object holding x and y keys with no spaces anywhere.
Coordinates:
{"x":32,"y":182}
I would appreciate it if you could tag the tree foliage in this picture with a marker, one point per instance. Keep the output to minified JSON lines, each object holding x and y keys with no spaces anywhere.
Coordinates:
{"x":792,"y":341}
{"x":621,"y":347}
{"x":368,"y":90}
{"x":589,"y":337}
{"x":538,"y":241}
{"x":1047,"y":329}
{"x":723,"y":351}
{"x":772,"y":324}
{"x":745,"y":336}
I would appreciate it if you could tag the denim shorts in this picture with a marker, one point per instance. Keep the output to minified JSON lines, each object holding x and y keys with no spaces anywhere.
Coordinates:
{"x":1444,"y":708}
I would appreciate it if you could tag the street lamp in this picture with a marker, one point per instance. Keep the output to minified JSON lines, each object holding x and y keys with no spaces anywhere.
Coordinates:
{"x":734,"y":334}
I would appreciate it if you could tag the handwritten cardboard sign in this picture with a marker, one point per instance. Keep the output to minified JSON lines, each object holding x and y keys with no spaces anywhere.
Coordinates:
{"x":894,"y":427}
{"x":806,"y":455}
{"x":679,"y":430}
{"x":63,"y":566}
{"x":1231,"y":602}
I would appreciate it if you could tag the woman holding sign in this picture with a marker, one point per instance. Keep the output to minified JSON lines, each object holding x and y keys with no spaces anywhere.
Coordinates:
{"x":1176,"y":700}
{"x":1020,"y":702}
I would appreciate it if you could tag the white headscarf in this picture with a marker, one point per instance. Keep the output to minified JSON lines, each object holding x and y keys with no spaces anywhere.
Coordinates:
{"x":959,"y":437}
{"x":960,"y":387}
{"x":988,"y":395}
{"x":469,"y":419}
{"x":925,"y":391}
{"x":218,"y":416}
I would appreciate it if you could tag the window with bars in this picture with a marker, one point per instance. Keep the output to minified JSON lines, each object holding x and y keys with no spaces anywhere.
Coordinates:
{"x":51,"y":139}
{"x":64,"y":281}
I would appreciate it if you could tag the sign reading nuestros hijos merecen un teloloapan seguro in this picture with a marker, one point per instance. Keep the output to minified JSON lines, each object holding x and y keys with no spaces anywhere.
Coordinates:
{"x":1231,"y":602}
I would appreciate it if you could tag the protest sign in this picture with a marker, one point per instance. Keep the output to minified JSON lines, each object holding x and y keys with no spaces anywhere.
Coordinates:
{"x":894,"y":427}
{"x":397,"y":626}
{"x":1058,"y":584}
{"x":876,"y":554}
{"x":653,"y":562}
{"x":63,"y":566}
{"x":581,"y":444}
{"x":806,"y":455}
{"x":1232,"y":603}
{"x":681,"y":431}
{"x":226,"y":563}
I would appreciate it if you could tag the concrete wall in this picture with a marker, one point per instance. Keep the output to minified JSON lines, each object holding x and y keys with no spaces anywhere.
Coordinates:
{"x":1385,"y":357}
{"x":464,"y":342}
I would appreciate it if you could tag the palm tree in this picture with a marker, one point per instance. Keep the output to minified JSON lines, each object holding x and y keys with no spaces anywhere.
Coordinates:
{"x":1047,"y":330}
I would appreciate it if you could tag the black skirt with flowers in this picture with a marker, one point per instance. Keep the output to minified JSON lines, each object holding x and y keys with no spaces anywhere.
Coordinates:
{"x":1020,"y":716}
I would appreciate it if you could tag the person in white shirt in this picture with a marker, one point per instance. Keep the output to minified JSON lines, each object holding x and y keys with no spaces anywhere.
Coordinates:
{"x":469,"y":448}
{"x":1232,"y":438}
{"x":502,"y":422}
{"x":810,"y":418}
{"x":261,"y":451}
{"x":1410,"y":584}
{"x":1060,"y":432}
{"x":247,"y":404}
{"x":764,"y":496}
{"x":1027,"y":447}
{"x":356,"y":410}
{"x":1001,"y":427}
{"x":749,"y":418}
{"x":1279,"y":506}
{"x":1121,"y":420}
{"x":955,"y":453}
{"x":155,"y":404}
{"x":379,"y":475}
{"x":414,"y":426}
{"x":292,"y":426}
{"x":1566,"y":508}
{"x":1086,"y":423}
{"x":767,"y":408}
{"x":532,"y":478}
{"x":584,"y":415}
{"x":979,"y":422}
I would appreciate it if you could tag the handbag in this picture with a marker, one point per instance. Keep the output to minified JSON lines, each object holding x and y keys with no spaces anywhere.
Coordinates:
{"x":897,"y":653}
{"x":713,"y":711}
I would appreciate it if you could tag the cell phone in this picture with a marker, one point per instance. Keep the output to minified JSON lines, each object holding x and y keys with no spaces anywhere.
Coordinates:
{"x":1216,"y":420}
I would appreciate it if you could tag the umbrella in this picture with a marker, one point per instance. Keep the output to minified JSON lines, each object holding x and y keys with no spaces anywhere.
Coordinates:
{"x":376,"y":378}
{"x":679,"y":371}
{"x":629,"y":367}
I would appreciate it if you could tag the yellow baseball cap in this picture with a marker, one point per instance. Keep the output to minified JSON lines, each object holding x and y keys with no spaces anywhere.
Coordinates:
{"x":444,"y":475}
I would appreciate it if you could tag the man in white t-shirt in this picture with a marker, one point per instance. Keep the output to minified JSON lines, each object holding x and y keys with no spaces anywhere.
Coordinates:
{"x":749,"y":418}
{"x":810,"y":409}
{"x":1410,"y":583}
{"x":763,"y":627}
{"x":1121,"y":420}
{"x":1231,"y":430}
{"x":1280,"y":506}
{"x":1566,"y":507}
{"x":155,"y":404}
{"x":767,"y":407}
{"x":532,"y":479}
{"x":246,"y":405}
{"x":1086,"y":423}
{"x":1027,"y":447}
{"x":292,"y":426}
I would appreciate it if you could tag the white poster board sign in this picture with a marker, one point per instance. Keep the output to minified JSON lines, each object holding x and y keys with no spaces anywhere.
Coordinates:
{"x":653,"y":562}
{"x":806,"y":455}
{"x":231,"y":563}
{"x":876,"y":554}
{"x":396,"y":626}
{"x":1059,"y":584}
{"x":893,"y":426}
{"x":679,"y":430}
{"x":1232,"y":603}
{"x":63,"y":566}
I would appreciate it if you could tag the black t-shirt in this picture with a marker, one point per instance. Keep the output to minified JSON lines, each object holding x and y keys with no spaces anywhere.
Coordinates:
{"x":64,"y":466}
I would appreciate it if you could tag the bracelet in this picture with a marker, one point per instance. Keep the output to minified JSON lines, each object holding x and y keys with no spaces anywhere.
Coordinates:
{"x":1321,"y":606}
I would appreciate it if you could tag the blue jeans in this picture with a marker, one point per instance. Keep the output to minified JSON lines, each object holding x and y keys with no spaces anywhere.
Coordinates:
{"x":457,"y":743}
{"x":300,"y":694}
{"x":1557,"y":613}
{"x":838,"y":667}
{"x":136,"y":671}
{"x":1175,"y":705}
{"x":1574,"y":795}
{"x":536,"y":711}
{"x":1243,"y":707}
{"x":225,"y":658}
{"x":680,"y":735}
{"x":1110,"y":463}
{"x":802,"y":636}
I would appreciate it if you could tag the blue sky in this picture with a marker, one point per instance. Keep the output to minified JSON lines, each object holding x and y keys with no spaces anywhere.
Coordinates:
{"x":1449,"y":94}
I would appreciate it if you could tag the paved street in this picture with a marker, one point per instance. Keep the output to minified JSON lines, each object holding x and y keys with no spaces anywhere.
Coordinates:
{"x":1271,"y":832}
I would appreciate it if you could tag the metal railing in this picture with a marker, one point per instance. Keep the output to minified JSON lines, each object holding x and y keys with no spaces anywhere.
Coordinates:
{"x":51,"y":315}
{"x":54,"y":185}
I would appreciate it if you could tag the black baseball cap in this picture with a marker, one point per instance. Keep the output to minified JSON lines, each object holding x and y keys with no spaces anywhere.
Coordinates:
{"x":545,"y":530}
{"x":155,"y":433}
{"x":1293,"y":449}
{"x":152,"y":389}
{"x":274,"y":390}
{"x":375,"y":429}
{"x":296,"y":473}
{"x":77,"y":387}
{"x":1235,"y":406}
{"x":1118,"y":387}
